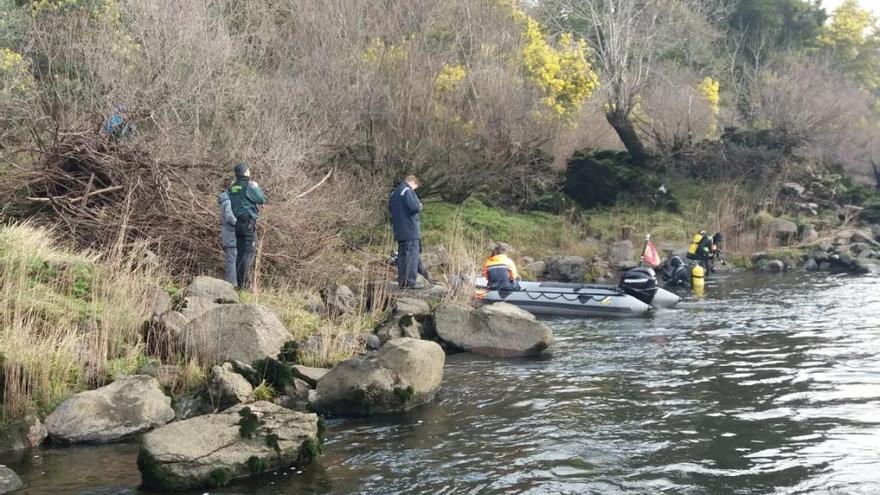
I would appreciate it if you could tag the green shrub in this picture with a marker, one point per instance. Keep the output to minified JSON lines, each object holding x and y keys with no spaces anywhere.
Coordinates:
{"x":264,"y":392}
{"x":248,"y":423}
{"x":273,"y":372}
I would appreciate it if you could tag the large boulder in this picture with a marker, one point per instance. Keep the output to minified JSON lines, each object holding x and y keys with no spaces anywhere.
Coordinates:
{"x":565,"y":268}
{"x":411,"y":318}
{"x":25,"y":434}
{"x":213,"y":289}
{"x":621,"y":254}
{"x":403,"y":374}
{"x":536,"y":269}
{"x":227,"y":388}
{"x":339,"y":299}
{"x":495,"y":330}
{"x":235,"y":332}
{"x":783,"y":230}
{"x":9,"y":481}
{"x":411,"y":306}
{"x":114,"y":412}
{"x":214,"y":449}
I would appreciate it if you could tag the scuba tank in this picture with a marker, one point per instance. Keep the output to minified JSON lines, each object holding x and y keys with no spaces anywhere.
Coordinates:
{"x":698,"y":274}
{"x":695,"y":245}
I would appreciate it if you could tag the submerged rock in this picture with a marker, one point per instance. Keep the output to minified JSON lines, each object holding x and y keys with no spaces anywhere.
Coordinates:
{"x":117,"y":411}
{"x":811,"y":265}
{"x":25,"y":434}
{"x":214,"y":449}
{"x":403,"y":374}
{"x":9,"y":481}
{"x":235,"y":332}
{"x":773,"y":266}
{"x":495,"y":330}
{"x":866,"y":265}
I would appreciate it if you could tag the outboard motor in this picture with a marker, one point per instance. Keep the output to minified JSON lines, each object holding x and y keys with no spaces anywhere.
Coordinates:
{"x":640,"y":283}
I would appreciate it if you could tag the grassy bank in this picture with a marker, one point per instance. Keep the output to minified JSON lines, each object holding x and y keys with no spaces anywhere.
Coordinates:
{"x":72,"y":321}
{"x":728,"y":208}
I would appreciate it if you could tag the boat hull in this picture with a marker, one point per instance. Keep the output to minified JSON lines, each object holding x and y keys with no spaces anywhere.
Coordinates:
{"x":663,"y":299}
{"x":605,"y":303}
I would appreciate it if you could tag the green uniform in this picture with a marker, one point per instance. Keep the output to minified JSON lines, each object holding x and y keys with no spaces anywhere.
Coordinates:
{"x":245,"y":196}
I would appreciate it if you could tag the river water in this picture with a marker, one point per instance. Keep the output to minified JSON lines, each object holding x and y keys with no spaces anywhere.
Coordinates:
{"x":771,"y":384}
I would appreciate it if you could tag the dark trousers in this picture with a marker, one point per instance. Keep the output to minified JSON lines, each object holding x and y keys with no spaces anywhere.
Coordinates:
{"x":245,"y":240}
{"x":409,"y":263}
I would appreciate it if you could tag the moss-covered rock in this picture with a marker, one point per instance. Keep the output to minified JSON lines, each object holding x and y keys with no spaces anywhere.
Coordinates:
{"x":403,"y":374}
{"x":211,"y":450}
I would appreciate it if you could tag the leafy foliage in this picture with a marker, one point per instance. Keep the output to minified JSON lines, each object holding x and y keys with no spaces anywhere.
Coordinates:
{"x":563,"y":74}
{"x":781,"y":24}
{"x":853,"y":39}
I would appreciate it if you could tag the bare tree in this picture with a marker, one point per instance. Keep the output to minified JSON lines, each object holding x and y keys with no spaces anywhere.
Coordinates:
{"x":628,"y":38}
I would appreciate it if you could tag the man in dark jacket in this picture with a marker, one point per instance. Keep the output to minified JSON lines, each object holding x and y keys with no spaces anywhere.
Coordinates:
{"x":245,"y":196}
{"x":405,"y":207}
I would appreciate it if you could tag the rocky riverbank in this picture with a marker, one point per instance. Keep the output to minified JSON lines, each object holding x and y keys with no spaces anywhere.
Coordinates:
{"x":255,"y":411}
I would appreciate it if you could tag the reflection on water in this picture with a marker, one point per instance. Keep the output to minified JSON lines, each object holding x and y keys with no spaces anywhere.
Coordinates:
{"x":769,"y":385}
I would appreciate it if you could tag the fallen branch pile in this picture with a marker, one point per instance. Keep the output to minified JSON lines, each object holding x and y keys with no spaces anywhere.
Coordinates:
{"x":100,"y":194}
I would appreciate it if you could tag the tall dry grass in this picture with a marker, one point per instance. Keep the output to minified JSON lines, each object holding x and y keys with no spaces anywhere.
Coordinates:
{"x":68,"y":320}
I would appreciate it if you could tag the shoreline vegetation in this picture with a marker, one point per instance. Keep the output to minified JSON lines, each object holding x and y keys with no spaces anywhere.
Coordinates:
{"x":519,"y":120}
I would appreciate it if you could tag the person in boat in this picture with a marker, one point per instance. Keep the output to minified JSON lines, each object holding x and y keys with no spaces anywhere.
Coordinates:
{"x":500,"y":271}
{"x":405,"y":208}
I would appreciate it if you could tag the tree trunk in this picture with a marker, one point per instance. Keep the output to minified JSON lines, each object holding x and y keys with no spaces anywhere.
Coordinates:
{"x":626,"y":131}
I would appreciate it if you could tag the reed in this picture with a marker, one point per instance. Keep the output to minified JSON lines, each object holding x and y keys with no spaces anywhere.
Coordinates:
{"x":68,"y":320}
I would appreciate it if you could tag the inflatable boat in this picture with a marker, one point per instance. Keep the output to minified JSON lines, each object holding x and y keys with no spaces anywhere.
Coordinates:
{"x":636,"y":295}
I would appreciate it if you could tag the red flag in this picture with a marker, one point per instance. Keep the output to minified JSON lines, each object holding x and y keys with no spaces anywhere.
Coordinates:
{"x":650,"y":255}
